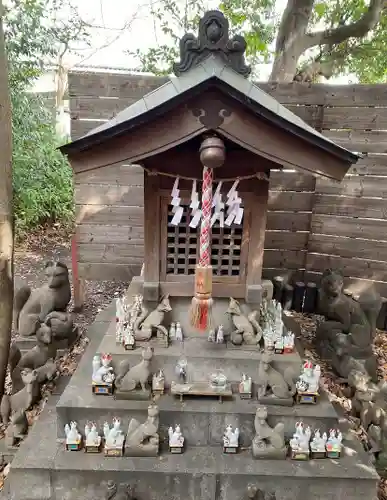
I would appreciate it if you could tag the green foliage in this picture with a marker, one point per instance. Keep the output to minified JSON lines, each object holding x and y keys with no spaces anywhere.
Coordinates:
{"x":36,"y":34}
{"x":42,"y":178}
{"x":258,"y":22}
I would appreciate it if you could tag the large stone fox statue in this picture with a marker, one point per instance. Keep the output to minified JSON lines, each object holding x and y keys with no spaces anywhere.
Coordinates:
{"x":31,"y":307}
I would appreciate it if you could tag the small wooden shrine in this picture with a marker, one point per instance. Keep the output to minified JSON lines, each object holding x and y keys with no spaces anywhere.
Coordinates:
{"x":207,"y":141}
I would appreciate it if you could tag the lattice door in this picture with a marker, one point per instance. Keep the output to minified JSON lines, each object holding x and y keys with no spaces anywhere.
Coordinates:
{"x":182,"y":247}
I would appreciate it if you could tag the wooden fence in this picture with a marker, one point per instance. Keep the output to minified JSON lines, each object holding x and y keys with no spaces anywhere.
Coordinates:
{"x":312,"y":223}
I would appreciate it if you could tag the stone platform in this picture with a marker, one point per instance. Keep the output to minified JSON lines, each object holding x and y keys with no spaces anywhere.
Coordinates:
{"x":43,"y":470}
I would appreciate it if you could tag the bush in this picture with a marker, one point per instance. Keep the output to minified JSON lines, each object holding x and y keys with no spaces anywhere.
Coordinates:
{"x":42,"y":177}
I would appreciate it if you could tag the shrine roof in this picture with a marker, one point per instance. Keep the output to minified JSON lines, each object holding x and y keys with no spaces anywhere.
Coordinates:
{"x":211,"y":72}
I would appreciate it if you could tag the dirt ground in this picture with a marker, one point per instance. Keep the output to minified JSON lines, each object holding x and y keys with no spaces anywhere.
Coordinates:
{"x":30,"y":259}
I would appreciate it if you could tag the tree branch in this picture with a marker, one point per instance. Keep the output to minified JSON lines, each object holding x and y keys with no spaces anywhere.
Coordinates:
{"x":357,"y":29}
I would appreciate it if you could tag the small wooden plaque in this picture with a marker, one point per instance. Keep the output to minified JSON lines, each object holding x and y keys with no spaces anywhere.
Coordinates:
{"x":129,"y":347}
{"x":333,"y":454}
{"x":102,"y":389}
{"x":92,"y":449}
{"x":246,"y":395}
{"x":230,"y":449}
{"x":307,"y":397}
{"x":278,"y":351}
{"x":74,"y":446}
{"x":299,"y":455}
{"x":114,"y":452}
{"x":318,"y":454}
{"x":177,"y":450}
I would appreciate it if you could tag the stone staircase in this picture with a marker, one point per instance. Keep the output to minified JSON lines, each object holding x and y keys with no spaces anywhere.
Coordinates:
{"x":43,"y":470}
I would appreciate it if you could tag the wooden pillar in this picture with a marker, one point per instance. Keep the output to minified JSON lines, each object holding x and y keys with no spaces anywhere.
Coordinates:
{"x":78,"y":283}
{"x":256,"y":244}
{"x":152,"y":223}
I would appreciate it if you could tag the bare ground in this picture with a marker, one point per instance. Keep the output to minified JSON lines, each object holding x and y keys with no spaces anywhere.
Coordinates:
{"x":30,"y":259}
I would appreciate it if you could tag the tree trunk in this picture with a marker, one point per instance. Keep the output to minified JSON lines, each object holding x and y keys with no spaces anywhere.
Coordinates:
{"x":290,"y":42}
{"x":6,"y":217}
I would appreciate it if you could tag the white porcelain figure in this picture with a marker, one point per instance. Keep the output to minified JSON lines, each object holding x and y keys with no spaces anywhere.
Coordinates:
{"x":72,"y":434}
{"x":220,"y":335}
{"x":231,"y":437}
{"x":309,"y":380}
{"x":301,"y":438}
{"x":128,"y":335}
{"x":318,"y":442}
{"x":91,"y":435}
{"x":334,"y":441}
{"x":289,"y":342}
{"x":176,"y":438}
{"x":172,"y":331}
{"x":211,"y":336}
{"x":104,"y":374}
{"x":114,"y":437}
{"x":245,"y":385}
{"x":179,"y":332}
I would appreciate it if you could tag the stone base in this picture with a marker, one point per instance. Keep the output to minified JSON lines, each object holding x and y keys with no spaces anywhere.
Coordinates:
{"x":93,"y":449}
{"x":245,"y":395}
{"x":273,"y":400}
{"x":269,"y":454}
{"x":144,"y":451}
{"x":73,"y":446}
{"x":317,"y":454}
{"x":136,"y":394}
{"x":333,"y":454}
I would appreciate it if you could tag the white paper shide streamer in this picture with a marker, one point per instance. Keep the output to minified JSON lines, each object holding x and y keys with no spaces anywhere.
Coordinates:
{"x":218,"y":206}
{"x":196,"y":213}
{"x":177,"y":209}
{"x":234,"y":209}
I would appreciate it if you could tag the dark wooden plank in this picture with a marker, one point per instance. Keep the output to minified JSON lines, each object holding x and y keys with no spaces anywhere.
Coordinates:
{"x":284,"y":259}
{"x":108,"y":272}
{"x":79,"y":128}
{"x":359,"y":141}
{"x":355,"y":185}
{"x":348,"y":247}
{"x":351,"y":206}
{"x":351,"y":227}
{"x":288,"y":221}
{"x":351,"y":267}
{"x":98,"y":107}
{"x":286,"y":240}
{"x":365,"y":118}
{"x":290,"y":201}
{"x":370,"y":164}
{"x":106,"y":234}
{"x":121,"y":174}
{"x":102,"y":194}
{"x":135,"y":86}
{"x":286,"y":180}
{"x":105,"y":214}
{"x":111,"y":253}
{"x":354,"y":118}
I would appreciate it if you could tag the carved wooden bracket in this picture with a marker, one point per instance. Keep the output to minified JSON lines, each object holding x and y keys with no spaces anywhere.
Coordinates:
{"x":212,"y":114}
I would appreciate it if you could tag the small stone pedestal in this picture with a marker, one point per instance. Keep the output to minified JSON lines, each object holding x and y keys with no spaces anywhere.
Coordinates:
{"x":114,"y":451}
{"x":230,"y":449}
{"x":315,"y":455}
{"x":176,"y":450}
{"x":74,"y":445}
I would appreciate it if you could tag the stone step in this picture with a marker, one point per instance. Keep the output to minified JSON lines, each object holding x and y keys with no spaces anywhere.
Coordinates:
{"x":202,"y":420}
{"x":205,"y":473}
{"x":203,"y":358}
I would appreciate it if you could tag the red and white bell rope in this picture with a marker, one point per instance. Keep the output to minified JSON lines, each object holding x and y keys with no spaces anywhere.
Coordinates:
{"x":205,"y":228}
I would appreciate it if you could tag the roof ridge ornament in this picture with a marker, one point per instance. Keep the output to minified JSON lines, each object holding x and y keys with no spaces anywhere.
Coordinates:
{"x":214,"y":39}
